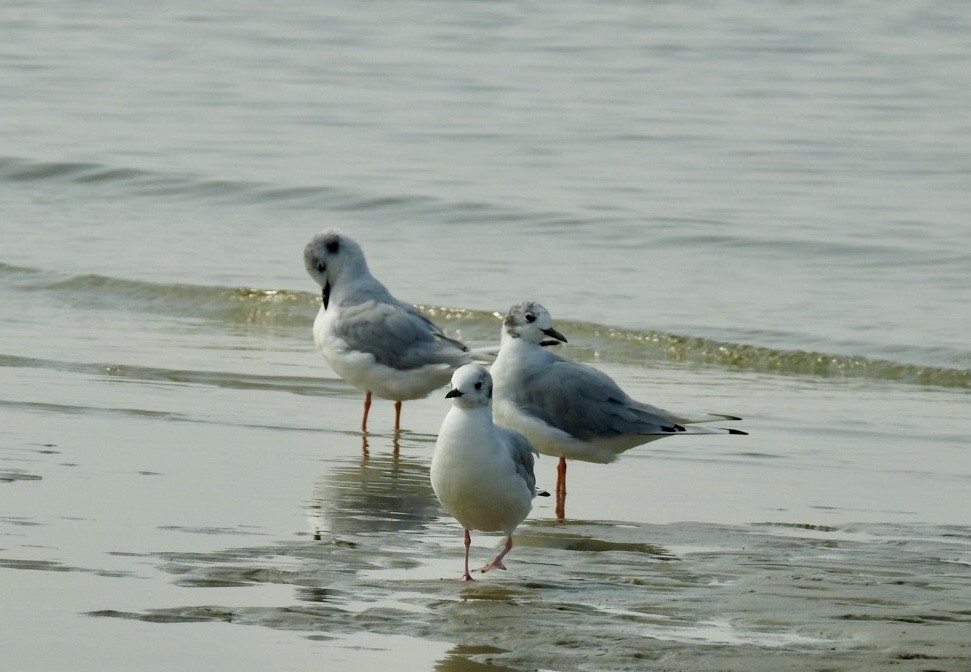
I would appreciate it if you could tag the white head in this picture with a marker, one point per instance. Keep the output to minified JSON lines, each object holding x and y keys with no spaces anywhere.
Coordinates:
{"x":531,"y":322}
{"x":331,"y":257}
{"x":471,"y":387}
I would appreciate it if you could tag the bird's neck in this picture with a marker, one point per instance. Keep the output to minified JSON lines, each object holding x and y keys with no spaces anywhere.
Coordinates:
{"x":472,"y":419}
{"x":513,"y":345}
{"x":507,"y":340}
{"x":360,"y":287}
{"x":473,"y":428}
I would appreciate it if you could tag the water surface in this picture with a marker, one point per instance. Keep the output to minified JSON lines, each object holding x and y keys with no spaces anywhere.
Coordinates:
{"x":760,"y":211}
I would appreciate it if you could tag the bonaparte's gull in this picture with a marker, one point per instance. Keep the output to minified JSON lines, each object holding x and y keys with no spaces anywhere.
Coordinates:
{"x":571,"y":410}
{"x":371,"y":339}
{"x":482,"y":473}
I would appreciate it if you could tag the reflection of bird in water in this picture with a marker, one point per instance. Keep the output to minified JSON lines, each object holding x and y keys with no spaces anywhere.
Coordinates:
{"x":377,"y":493}
{"x":571,"y":410}
{"x":371,"y":339}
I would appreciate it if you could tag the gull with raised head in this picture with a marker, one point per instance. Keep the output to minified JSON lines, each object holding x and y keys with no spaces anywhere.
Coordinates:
{"x":481,"y":472}
{"x":372,"y":340}
{"x":571,"y":410}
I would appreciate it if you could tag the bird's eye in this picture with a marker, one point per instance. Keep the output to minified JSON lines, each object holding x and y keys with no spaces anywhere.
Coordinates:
{"x":321,"y":267}
{"x":530,"y":317}
{"x":478,"y":385}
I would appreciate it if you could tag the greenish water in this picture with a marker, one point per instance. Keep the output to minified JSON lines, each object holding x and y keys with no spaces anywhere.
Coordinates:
{"x":755,"y":210}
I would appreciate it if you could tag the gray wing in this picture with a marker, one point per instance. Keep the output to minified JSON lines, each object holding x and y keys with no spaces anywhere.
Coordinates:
{"x":521,"y":451}
{"x":587,"y":403}
{"x":398,"y":336}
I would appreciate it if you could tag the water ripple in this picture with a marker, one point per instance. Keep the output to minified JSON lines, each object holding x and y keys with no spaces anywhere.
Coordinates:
{"x":293,"y":311}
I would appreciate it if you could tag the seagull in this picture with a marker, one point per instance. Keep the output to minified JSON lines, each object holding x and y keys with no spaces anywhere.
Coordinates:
{"x":570,"y":410}
{"x":372,"y":340}
{"x":482,"y":473}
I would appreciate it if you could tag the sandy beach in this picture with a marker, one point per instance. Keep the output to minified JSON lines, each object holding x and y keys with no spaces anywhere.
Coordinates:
{"x":252,"y":531}
{"x":754,"y":209}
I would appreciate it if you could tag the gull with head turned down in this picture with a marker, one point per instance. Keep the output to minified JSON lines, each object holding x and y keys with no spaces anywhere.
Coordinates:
{"x":371,"y":339}
{"x":571,"y":410}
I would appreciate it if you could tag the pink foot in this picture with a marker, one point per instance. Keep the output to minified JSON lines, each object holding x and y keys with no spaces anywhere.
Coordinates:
{"x":466,"y":577}
{"x":495,"y":564}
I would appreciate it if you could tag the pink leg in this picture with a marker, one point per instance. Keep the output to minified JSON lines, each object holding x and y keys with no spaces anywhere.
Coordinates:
{"x":397,"y":415}
{"x":497,"y":562}
{"x":561,"y":489}
{"x":367,"y":409}
{"x":468,"y":542}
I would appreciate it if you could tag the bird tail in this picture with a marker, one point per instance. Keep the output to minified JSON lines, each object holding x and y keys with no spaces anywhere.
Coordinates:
{"x":711,"y":430}
{"x":705,"y":417}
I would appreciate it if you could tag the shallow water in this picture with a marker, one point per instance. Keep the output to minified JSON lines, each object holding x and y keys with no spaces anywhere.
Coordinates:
{"x":226,"y":505}
{"x":756,"y":211}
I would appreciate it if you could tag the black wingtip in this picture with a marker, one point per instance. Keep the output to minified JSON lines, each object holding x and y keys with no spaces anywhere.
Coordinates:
{"x":542,"y":493}
{"x":737,"y":431}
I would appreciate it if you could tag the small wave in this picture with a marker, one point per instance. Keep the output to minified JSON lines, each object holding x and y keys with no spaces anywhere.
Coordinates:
{"x":301,"y":385}
{"x":642,"y":347}
{"x":227,"y":305}
{"x":594,"y":342}
{"x":293,"y":312}
{"x":17,"y":170}
{"x":140,"y":182}
{"x":135,"y":182}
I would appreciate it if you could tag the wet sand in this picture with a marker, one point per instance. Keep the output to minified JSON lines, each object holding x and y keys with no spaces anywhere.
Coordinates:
{"x":144,"y":532}
{"x":601,"y":595}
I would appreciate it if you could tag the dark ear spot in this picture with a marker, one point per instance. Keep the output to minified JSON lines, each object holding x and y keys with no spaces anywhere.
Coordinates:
{"x":333,"y":246}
